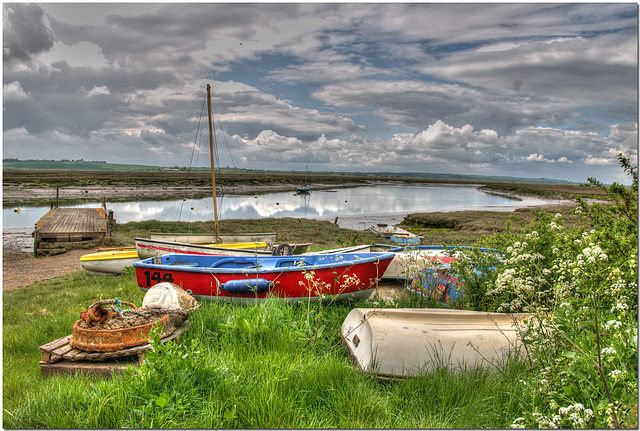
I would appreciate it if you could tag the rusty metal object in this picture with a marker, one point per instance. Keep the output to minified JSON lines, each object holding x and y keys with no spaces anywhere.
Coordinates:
{"x":111,"y":340}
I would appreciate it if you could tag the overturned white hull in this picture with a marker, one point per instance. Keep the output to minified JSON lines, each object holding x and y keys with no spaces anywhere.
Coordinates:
{"x":412,"y":341}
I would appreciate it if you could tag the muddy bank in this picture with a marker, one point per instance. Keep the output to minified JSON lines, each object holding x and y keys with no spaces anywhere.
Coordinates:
{"x":20,"y":270}
{"x":16,"y":195}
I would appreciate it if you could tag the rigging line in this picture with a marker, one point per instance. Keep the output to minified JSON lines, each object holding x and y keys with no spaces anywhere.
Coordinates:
{"x":196,"y":142}
{"x":224,"y":135}
{"x":233,"y":163}
{"x":196,"y":146}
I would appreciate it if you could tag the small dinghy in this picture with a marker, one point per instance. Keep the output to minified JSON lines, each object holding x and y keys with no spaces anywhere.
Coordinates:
{"x":255,"y":278}
{"x":413,"y":259}
{"x":109,"y":262}
{"x":396,"y":234}
{"x":398,"y":342}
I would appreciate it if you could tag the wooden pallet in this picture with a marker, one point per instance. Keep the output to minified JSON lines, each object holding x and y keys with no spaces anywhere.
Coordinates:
{"x":59,"y":357}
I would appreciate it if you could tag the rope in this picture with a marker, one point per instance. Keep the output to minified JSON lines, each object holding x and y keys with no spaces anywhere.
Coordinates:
{"x":96,"y":315}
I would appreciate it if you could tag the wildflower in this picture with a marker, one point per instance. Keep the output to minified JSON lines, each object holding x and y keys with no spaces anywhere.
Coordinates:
{"x":615,"y":374}
{"x":619,"y":306}
{"x":615,"y":324}
{"x":609,"y":351}
{"x":517,"y":425}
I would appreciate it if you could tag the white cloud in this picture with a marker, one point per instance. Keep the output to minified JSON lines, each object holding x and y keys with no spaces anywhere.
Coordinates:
{"x":13,"y":92}
{"x":103,"y":89}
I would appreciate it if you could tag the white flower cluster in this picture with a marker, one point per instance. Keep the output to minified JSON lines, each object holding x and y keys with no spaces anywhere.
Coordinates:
{"x":608,"y":351}
{"x":555,"y":226}
{"x":517,"y":424}
{"x":612,"y":324}
{"x":617,"y":374}
{"x":621,"y":305}
{"x":544,"y":421}
{"x":577,"y":415}
{"x":593,"y":253}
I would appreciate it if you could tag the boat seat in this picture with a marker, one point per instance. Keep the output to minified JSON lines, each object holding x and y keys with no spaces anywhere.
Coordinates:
{"x":236,"y":262}
{"x":289,"y":262}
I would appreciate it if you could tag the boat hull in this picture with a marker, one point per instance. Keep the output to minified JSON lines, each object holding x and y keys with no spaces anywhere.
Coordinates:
{"x":396,"y":234}
{"x":411,"y":260}
{"x":290,"y":278}
{"x":204,"y":238}
{"x":412,"y":341}
{"x":148,"y":248}
{"x":109,"y":262}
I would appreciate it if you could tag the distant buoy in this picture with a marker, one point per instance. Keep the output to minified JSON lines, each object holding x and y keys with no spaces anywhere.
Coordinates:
{"x":191,"y":208}
{"x":277,"y":203}
{"x":16,"y":210}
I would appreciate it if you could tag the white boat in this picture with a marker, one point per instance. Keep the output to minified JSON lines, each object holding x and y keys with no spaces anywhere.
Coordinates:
{"x":353,"y":249}
{"x":147,"y":248}
{"x":398,"y":342}
{"x":396,"y":234}
{"x":152,"y":247}
{"x":412,"y":259}
{"x":210,"y":238}
{"x":109,"y":262}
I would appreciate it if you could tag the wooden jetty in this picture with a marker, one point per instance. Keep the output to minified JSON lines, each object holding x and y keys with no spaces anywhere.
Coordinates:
{"x":71,"y":225}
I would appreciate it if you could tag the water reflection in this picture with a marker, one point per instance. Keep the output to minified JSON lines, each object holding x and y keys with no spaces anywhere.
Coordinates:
{"x":384,"y":199}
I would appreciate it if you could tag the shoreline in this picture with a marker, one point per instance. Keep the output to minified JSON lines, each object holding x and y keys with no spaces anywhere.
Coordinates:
{"x":16,"y":195}
{"x":19,"y":240}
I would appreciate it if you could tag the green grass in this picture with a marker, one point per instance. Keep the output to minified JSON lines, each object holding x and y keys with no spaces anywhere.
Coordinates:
{"x":248,"y":366}
{"x":251,"y":366}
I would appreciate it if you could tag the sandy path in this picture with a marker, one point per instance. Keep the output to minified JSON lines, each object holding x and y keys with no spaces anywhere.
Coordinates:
{"x":19,"y":270}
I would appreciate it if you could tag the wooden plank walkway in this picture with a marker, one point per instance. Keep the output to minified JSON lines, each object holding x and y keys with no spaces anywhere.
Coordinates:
{"x":70,"y":225}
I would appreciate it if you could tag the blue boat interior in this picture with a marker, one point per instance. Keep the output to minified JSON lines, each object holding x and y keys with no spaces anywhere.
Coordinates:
{"x":261,"y":262}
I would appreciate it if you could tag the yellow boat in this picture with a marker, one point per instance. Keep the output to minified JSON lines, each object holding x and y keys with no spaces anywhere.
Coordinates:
{"x":109,"y":262}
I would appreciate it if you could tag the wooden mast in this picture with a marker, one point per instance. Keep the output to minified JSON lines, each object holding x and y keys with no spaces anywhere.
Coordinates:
{"x":213,"y":175}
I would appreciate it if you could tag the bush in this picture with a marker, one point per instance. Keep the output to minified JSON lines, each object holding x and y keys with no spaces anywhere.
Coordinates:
{"x":581,"y":283}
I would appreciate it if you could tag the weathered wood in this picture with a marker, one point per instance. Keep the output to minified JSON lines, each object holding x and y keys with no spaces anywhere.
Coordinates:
{"x":103,"y":369}
{"x":70,"y":225}
{"x":50,"y":347}
{"x":59,"y":357}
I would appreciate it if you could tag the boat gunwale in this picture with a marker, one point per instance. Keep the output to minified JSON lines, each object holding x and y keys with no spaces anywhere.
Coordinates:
{"x":354,"y":259}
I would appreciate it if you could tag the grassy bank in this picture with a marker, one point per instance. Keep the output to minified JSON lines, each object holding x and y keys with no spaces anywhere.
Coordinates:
{"x":243,"y":366}
{"x":454,"y":228}
{"x":251,"y":366}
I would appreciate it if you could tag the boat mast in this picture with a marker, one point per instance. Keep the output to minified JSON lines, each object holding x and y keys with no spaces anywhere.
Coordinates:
{"x":213,"y":175}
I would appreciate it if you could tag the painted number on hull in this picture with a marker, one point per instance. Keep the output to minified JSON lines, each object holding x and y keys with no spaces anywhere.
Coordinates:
{"x":155,"y":276}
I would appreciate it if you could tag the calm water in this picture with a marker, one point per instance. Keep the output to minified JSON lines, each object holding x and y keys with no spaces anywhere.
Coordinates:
{"x":355,"y":207}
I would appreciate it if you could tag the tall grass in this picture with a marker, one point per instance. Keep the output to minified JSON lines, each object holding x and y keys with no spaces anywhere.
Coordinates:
{"x":239,"y":366}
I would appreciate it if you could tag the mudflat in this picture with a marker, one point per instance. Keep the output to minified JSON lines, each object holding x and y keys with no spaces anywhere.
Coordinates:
{"x":21,"y":270}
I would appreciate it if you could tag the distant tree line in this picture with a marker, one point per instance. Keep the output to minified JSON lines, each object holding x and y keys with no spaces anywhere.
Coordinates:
{"x":47,"y":160}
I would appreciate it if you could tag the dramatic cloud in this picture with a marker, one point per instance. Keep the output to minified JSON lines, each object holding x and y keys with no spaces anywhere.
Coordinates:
{"x":530,"y":90}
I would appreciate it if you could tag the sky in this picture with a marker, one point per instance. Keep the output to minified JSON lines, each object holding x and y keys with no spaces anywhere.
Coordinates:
{"x":530,"y":90}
